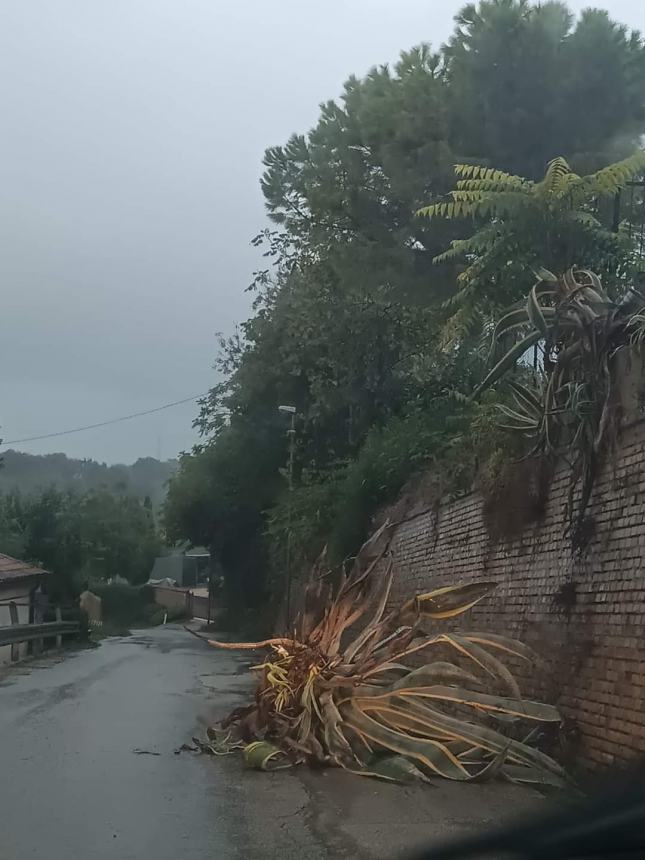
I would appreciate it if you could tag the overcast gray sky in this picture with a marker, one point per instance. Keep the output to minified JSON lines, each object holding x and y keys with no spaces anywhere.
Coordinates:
{"x":132,"y":139}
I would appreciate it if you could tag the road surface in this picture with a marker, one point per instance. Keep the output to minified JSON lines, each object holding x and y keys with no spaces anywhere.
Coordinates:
{"x":88,"y":769}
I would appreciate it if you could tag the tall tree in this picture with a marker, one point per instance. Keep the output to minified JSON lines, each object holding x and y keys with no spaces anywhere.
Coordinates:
{"x":347,"y":190}
{"x":524,"y":226}
{"x":527,"y":83}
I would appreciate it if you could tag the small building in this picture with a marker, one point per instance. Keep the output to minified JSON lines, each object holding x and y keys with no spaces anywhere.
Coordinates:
{"x":19,"y":583}
{"x":184,"y":568}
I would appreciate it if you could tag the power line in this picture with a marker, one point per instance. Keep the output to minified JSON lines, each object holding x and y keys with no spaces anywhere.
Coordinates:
{"x":105,"y":423}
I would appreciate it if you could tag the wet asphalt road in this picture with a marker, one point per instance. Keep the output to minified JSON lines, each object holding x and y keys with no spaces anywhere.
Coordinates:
{"x":73,"y":783}
{"x":88,"y":770}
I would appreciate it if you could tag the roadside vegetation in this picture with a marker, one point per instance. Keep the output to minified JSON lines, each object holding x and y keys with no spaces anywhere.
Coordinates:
{"x":393,"y":308}
{"x":93,"y":536}
{"x":126,"y":606}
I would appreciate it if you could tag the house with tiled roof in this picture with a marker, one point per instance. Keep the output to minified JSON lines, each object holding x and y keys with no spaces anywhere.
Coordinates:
{"x":20,"y":584}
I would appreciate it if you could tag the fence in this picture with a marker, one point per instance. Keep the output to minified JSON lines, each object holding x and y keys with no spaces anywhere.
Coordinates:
{"x":195,"y":605}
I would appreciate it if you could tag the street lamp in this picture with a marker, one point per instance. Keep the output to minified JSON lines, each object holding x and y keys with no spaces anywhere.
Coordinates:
{"x":291,"y":433}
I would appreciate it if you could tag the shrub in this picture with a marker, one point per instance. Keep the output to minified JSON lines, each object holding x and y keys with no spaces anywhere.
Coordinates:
{"x":337,"y":508}
{"x":122,"y":605}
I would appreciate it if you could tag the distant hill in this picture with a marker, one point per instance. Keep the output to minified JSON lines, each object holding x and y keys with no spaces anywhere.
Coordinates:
{"x":30,"y":473}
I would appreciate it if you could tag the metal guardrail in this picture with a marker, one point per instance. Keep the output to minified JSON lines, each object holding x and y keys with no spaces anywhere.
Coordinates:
{"x":17,"y":633}
{"x":29,"y":632}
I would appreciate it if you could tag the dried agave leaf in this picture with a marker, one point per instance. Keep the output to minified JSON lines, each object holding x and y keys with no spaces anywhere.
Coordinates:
{"x":393,"y":768}
{"x":433,"y":673}
{"x":482,"y":701}
{"x":433,"y":754}
{"x":490,"y":664}
{"x":446,"y":602}
{"x":502,"y":643}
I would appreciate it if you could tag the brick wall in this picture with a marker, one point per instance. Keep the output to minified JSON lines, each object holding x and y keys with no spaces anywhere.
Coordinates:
{"x":595,"y":648}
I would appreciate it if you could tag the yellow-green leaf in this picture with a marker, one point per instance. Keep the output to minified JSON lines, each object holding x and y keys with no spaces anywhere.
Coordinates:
{"x":515,"y":707}
{"x":534,"y":312}
{"x":261,"y":755}
{"x":448,"y":601}
{"x":433,"y":754}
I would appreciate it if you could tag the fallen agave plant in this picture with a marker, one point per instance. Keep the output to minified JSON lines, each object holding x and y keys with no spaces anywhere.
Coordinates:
{"x":357,"y":705}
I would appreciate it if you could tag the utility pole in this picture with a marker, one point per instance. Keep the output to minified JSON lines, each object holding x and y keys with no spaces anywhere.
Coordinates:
{"x":291,"y":433}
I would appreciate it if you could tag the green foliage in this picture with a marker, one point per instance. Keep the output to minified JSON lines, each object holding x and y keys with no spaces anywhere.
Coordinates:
{"x":218,"y":497}
{"x":97,"y":535}
{"x":123,"y":605}
{"x":528,"y":83}
{"x":336,"y":508}
{"x":555,"y":223}
{"x":303,"y":519}
{"x":387,"y":460}
{"x":127,"y":606}
{"x":349,"y":189}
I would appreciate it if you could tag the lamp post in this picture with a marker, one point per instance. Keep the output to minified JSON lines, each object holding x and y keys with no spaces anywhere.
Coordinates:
{"x":291,"y":433}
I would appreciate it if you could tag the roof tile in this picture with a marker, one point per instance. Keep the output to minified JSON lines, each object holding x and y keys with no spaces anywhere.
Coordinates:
{"x":13,"y":568}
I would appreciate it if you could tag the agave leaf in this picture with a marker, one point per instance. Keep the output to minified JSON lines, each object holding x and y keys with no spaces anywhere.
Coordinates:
{"x":528,"y":422}
{"x":490,"y":664}
{"x":484,"y":737}
{"x":347,"y":619}
{"x":433,"y":754}
{"x":393,"y":768}
{"x":546,"y":277}
{"x":531,"y":775}
{"x":372,"y":629}
{"x":361,"y":747}
{"x":407,"y":722}
{"x":511,"y":320}
{"x":389,"y":650}
{"x":502,"y":643}
{"x":410,"y":647}
{"x":336,"y":742}
{"x":508,"y":360}
{"x":350,"y":604}
{"x":252,"y":646}
{"x":502,"y":704}
{"x":390,"y":667}
{"x":425,"y":676}
{"x":432,"y":673}
{"x":491,"y":769}
{"x":525,"y":396}
{"x":316,"y":598}
{"x":462,"y":730}
{"x":368,"y":557}
{"x":534,"y":313}
{"x":447,"y":602}
{"x":262,"y":755}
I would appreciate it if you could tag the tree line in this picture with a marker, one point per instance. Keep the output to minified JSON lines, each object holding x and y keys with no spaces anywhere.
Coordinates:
{"x":386,"y":272}
{"x":80,"y":537}
{"x":82,"y":520}
{"x":33,"y":473}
